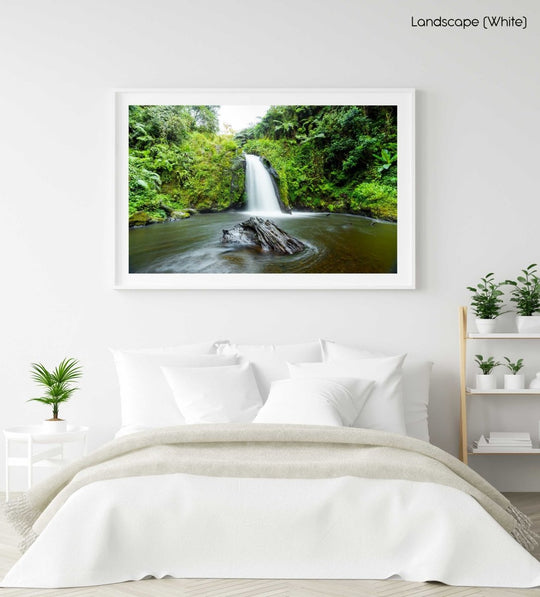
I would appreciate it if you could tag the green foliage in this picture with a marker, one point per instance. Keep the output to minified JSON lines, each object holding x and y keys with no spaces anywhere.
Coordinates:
{"x":486,"y":366}
{"x":144,"y":186}
{"x":178,"y":161}
{"x":376,"y":200}
{"x":386,"y":160}
{"x":513,"y":367}
{"x":170,"y":124}
{"x":213,"y":163}
{"x":331,"y":158}
{"x":526,"y":291}
{"x":486,"y":300}
{"x":327,"y":158}
{"x":58,"y":384}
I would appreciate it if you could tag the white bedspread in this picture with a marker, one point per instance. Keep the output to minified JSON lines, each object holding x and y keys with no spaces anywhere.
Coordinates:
{"x":184,"y":525}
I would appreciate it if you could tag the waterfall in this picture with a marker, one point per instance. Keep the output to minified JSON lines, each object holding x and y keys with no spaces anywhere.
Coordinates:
{"x":261,"y":194}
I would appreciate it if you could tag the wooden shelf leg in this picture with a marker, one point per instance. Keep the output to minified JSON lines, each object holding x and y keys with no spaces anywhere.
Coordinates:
{"x":7,"y":470}
{"x":463,"y":384}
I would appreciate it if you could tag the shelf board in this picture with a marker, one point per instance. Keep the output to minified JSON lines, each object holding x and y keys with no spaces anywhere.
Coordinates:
{"x":475,"y":451}
{"x":503,"y":336}
{"x":502,"y":392}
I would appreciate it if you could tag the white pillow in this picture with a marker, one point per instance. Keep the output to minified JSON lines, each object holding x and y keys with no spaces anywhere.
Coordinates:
{"x":269,"y":361}
{"x":315,"y":401}
{"x":224,"y":395}
{"x":146,"y":399}
{"x":383,"y":409}
{"x":416,"y":382}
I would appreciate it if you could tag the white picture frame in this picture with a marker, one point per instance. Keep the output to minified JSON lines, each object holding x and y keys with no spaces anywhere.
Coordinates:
{"x":403,"y":278}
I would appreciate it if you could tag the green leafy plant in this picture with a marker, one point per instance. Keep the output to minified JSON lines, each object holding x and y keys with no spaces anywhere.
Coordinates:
{"x":486,"y":300}
{"x":526,"y":291}
{"x":487,"y":365}
{"x":513,"y":367}
{"x":58,"y":384}
{"x":375,"y":199}
{"x":385,"y":160}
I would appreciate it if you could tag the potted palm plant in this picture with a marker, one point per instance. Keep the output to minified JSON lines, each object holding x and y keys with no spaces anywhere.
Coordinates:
{"x":514,"y":380}
{"x":58,"y":388}
{"x":486,"y":303}
{"x":525,"y":295}
{"x":486,"y":380}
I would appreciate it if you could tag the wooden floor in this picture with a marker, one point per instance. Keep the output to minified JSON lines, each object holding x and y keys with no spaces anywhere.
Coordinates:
{"x":528,"y":502}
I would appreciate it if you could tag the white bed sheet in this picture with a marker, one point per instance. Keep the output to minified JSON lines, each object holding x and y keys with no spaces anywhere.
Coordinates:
{"x":196,"y":526}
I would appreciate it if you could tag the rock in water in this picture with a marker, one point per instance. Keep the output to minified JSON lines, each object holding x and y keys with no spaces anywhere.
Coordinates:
{"x":257,"y":232}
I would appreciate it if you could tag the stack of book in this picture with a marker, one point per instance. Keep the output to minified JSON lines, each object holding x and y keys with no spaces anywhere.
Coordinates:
{"x":504,"y":441}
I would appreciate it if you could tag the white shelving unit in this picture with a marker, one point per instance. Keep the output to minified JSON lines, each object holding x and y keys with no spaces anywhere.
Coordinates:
{"x":466,"y":393}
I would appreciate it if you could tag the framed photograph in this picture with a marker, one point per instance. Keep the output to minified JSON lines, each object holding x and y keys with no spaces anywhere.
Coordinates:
{"x":265,"y":188}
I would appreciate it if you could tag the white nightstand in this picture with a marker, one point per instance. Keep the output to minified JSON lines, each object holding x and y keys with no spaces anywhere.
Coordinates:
{"x":33,"y":435}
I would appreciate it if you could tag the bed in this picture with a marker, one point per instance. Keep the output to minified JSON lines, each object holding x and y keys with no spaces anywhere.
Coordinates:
{"x":297,"y":461}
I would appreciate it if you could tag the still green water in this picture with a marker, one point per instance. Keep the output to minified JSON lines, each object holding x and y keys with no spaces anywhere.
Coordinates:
{"x":336,"y":243}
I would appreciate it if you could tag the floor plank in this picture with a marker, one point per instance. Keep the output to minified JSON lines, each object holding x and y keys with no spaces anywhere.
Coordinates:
{"x":529,"y":503}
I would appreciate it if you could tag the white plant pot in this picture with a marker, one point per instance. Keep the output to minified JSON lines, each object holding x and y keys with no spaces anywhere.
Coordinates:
{"x":514,"y":382}
{"x":528,"y":324}
{"x":535,"y":382}
{"x":51,"y":426}
{"x":486,"y":382}
{"x":486,"y":326}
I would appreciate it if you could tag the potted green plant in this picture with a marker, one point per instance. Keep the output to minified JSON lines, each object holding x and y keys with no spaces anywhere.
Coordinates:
{"x":525,"y":295}
{"x":58,"y":388}
{"x":514,"y":380}
{"x":486,"y":303}
{"x":486,"y":380}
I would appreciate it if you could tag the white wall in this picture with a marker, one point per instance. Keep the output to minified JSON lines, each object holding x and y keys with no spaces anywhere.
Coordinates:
{"x":478,"y":121}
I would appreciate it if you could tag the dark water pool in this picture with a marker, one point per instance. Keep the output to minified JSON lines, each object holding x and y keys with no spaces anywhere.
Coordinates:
{"x":336,"y":243}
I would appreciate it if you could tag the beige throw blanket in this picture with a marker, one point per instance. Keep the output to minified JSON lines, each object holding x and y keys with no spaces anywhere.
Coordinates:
{"x":277,"y":451}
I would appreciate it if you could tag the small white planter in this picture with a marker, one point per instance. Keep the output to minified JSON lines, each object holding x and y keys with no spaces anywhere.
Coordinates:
{"x":486,"y":326}
{"x":486,"y":382}
{"x":528,"y":324}
{"x":54,"y":426}
{"x":514,"y":382}
{"x":535,"y":382}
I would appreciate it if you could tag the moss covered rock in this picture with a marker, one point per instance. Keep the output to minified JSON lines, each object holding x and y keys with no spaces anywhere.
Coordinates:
{"x":179,"y":215}
{"x":144,"y":218}
{"x":139,"y":218}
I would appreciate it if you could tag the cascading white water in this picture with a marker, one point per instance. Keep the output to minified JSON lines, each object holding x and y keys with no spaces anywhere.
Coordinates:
{"x":261,"y":195}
